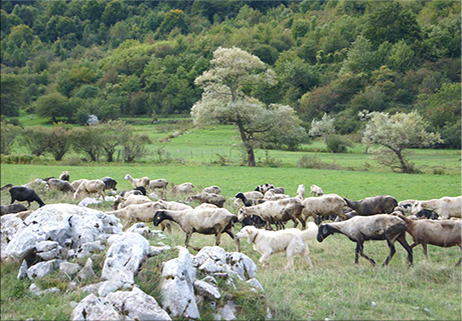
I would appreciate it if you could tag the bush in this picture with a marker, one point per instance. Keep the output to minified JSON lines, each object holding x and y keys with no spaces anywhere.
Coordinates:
{"x":338,"y":144}
{"x":8,"y":136}
{"x":34,"y":139}
{"x":314,"y":162}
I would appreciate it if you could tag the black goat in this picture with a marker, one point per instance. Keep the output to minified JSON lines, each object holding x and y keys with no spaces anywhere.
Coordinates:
{"x":7,"y":186}
{"x":21,"y":194}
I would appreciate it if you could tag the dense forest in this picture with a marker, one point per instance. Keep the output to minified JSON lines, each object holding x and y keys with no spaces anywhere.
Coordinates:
{"x":68,"y":59}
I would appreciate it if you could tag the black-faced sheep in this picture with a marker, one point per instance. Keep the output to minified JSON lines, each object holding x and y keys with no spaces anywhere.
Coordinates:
{"x":109,"y":183}
{"x":249,"y":201}
{"x":264,"y":188}
{"x":445,"y":233}
{"x":88,"y":187}
{"x":21,"y":194}
{"x":143,"y":181}
{"x":7,"y":186}
{"x":60,"y":185}
{"x":446,"y":207}
{"x":64,"y":176}
{"x":382,"y":204}
{"x":364,"y":228}
{"x":204,"y":221}
{"x":215,"y":199}
{"x":276,"y":212}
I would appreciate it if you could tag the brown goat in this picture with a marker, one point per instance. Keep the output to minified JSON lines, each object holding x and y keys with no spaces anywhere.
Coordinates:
{"x":446,"y":233}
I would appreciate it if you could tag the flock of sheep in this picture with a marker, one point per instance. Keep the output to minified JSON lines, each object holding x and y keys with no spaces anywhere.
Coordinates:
{"x":435,"y":222}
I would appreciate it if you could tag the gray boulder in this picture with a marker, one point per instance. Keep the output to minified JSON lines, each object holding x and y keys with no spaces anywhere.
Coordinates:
{"x":178,"y":276}
{"x":46,"y":246}
{"x":228,"y":311}
{"x":215,"y":253}
{"x":87,"y":271}
{"x":41,"y":269}
{"x":207,"y":290}
{"x":242,"y":265}
{"x":124,"y":257}
{"x":137,"y":305}
{"x":156,"y":250}
{"x":23,"y":270}
{"x":94,"y":308}
{"x":68,"y":268}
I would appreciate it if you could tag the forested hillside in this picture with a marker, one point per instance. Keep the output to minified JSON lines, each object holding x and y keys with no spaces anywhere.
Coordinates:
{"x":67,"y":59}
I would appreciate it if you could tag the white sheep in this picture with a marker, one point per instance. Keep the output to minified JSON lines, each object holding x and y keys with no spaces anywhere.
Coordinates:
{"x":315,"y":190}
{"x":325,"y":205}
{"x":203,"y":197}
{"x":301,"y":192}
{"x":364,"y":228}
{"x":75,"y":184}
{"x":175,"y":206}
{"x":138,"y":213}
{"x":446,"y":207}
{"x":276,"y":212}
{"x":206,"y":205}
{"x":185,"y":188}
{"x":212,"y":190}
{"x":64,"y":176}
{"x":136,"y":182}
{"x":204,"y":221}
{"x":158,"y":184}
{"x":88,"y":187}
{"x":255,"y":195}
{"x":271,"y":195}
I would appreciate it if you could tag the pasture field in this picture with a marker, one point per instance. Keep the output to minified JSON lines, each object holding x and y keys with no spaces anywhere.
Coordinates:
{"x":335,"y":289}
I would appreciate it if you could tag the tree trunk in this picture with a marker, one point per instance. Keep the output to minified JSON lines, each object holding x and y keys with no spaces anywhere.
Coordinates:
{"x":247,"y":145}
{"x":110,"y":157}
{"x":404,"y":167}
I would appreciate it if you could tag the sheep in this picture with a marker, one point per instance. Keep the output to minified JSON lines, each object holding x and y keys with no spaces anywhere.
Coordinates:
{"x":427,"y":214}
{"x":7,"y":186}
{"x":184,"y":188}
{"x":215,"y":199}
{"x":64,"y":176}
{"x":132,"y":192}
{"x":204,"y":221}
{"x":315,"y":190}
{"x":21,"y":193}
{"x":440,"y":233}
{"x":121,"y":202}
{"x":60,"y":185}
{"x":254,"y":195}
{"x":406,"y":205}
{"x":109,"y":183}
{"x":277,"y":190}
{"x":12,"y":209}
{"x":75,"y":184}
{"x":325,"y":205}
{"x":158,"y":184}
{"x":264,"y":188}
{"x":270,"y":195}
{"x":23,"y":214}
{"x":212,"y":190}
{"x":446,"y":207}
{"x":143,"y":181}
{"x":88,"y":187}
{"x":276,"y":211}
{"x":139,"y":213}
{"x":249,"y":201}
{"x":175,"y":206}
{"x":301,"y":192}
{"x":206,"y":205}
{"x":364,"y":228}
{"x":382,"y":204}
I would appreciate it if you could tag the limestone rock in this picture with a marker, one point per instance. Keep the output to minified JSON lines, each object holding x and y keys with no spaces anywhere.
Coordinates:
{"x":178,"y":276}
{"x":215,"y":253}
{"x":94,"y":308}
{"x":228,"y":311}
{"x":242,"y":265}
{"x":87,"y":271}
{"x":211,"y":266}
{"x":156,"y":250}
{"x":46,"y":246}
{"x":41,"y":269}
{"x":255,"y":284}
{"x":23,"y":270}
{"x":207,"y":290}
{"x":137,"y":305}
{"x":69,"y":268}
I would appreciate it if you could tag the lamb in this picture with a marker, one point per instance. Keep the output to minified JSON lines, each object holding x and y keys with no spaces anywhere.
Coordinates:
{"x":143,"y":181}
{"x":440,"y":233}
{"x":315,"y":190}
{"x":276,"y":212}
{"x":12,"y":209}
{"x":21,"y":193}
{"x":382,"y":204}
{"x":158,"y":184}
{"x":64,"y":176}
{"x":204,"y":221}
{"x":325,"y":205}
{"x":60,"y":185}
{"x":88,"y":187}
{"x":253,"y":220}
{"x":446,"y":207}
{"x":301,"y":192}
{"x":75,"y":184}
{"x":364,"y":228}
{"x":212,"y":190}
{"x":139,"y":213}
{"x":248,"y":201}
{"x":185,"y":188}
{"x":215,"y":199}
{"x":109,"y":183}
{"x":271,"y":195}
{"x":175,"y":206}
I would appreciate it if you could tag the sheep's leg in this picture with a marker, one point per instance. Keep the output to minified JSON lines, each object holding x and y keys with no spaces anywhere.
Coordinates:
{"x":166,"y":225}
{"x":102,"y":195}
{"x":304,"y":255}
{"x":402,"y":240}
{"x":268,"y":226}
{"x":300,"y":218}
{"x":217,"y":238}
{"x":295,"y":222}
{"x":460,"y":260}
{"x":233,"y":236}
{"x":359,"y":249}
{"x":392,"y":252}
{"x":424,"y":246}
{"x":188,"y":237}
{"x":12,"y":200}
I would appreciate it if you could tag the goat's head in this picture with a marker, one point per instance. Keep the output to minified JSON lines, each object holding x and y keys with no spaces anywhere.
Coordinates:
{"x":324,"y":231}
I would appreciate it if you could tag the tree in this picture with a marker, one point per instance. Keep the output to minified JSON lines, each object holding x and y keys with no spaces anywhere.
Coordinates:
{"x":53,"y":105}
{"x":396,"y":133}
{"x":224,"y":99}
{"x":58,"y":140}
{"x":12,"y":87}
{"x":113,"y":134}
{"x":360,"y":57}
{"x":8,"y":135}
{"x":34,"y":139}
{"x":113,"y":12}
{"x":134,"y":147}
{"x":323,"y":127}
{"x":88,"y":140}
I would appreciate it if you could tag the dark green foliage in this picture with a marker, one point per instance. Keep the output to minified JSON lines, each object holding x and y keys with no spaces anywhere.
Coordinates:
{"x":337,"y":144}
{"x":54,"y":106}
{"x":12,"y":87}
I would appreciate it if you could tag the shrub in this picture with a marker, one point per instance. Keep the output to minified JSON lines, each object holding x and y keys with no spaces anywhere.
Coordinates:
{"x":314,"y":162}
{"x":34,"y":139}
{"x":8,"y":136}
{"x":337,"y":144}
